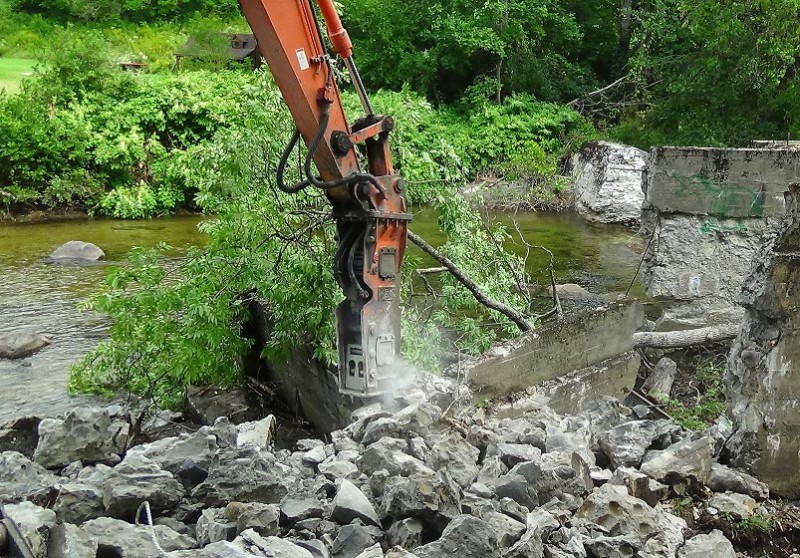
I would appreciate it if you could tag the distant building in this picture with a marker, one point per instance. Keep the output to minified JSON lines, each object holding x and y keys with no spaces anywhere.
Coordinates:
{"x":237,"y":47}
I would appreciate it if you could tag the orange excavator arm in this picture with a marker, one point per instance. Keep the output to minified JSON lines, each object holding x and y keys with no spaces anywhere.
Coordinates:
{"x":369,"y":205}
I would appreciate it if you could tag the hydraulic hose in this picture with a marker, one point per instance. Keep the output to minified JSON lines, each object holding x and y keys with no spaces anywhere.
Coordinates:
{"x":287,"y":152}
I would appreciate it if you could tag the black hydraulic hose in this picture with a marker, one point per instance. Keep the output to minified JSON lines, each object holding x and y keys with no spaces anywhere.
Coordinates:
{"x":287,"y":152}
{"x":344,"y":181}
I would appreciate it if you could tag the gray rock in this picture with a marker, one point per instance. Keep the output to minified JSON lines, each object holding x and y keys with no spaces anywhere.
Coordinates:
{"x":315,"y":547}
{"x":264,"y":519}
{"x":507,"y":531}
{"x":452,"y":453}
{"x":681,"y":462}
{"x":725,"y":479}
{"x":625,"y":445}
{"x":242,"y":476}
{"x":382,"y":427}
{"x":712,"y":545}
{"x":542,"y":522}
{"x":76,"y":250}
{"x":399,"y":552}
{"x":69,"y":541}
{"x":34,"y":523}
{"x":608,"y":182}
{"x":205,"y":407}
{"x":390,"y":454}
{"x":512,"y":454}
{"x":611,"y":547}
{"x":299,"y":507}
{"x":406,"y":533}
{"x":21,"y":345}
{"x":85,"y":434}
{"x":350,"y":503}
{"x":20,"y":435}
{"x":137,"y":480}
{"x":334,"y":469}
{"x":640,"y":485}
{"x":274,"y":547}
{"x":73,"y":502}
{"x":353,"y":539}
{"x":529,"y":546}
{"x":514,"y":510}
{"x":522,"y":431}
{"x":465,"y":537}
{"x":661,"y":378}
{"x":315,"y":456}
{"x":738,"y":506}
{"x":213,"y":526}
{"x":124,"y":540}
{"x":256,"y":434}
{"x":19,"y":476}
{"x":612,"y":508}
{"x":435,"y":499}
{"x":375,"y":551}
{"x":187,"y":456}
{"x":517,"y":488}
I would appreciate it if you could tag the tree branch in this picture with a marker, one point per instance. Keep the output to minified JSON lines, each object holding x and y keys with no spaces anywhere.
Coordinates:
{"x":686,"y":338}
{"x":476,"y":291}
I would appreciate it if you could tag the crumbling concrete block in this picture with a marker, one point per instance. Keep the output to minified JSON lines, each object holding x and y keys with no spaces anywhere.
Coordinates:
{"x":708,"y":212}
{"x":763,"y":378}
{"x":584,"y":355}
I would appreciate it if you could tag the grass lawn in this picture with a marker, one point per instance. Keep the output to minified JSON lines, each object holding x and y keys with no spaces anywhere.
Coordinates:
{"x":12,"y":72}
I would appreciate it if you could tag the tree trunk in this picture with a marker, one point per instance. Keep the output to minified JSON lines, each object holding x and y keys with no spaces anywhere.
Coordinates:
{"x":687,"y":338}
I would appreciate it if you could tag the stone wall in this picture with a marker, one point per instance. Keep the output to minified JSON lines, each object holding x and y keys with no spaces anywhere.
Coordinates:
{"x":763,"y":379}
{"x":708,"y":213}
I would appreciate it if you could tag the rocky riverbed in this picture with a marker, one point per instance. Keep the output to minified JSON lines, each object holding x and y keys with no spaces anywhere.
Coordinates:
{"x":423,"y":474}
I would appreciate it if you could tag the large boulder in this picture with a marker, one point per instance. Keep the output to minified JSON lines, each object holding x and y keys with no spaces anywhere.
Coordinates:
{"x":435,"y":499}
{"x":187,"y":456}
{"x":681,"y":463}
{"x":465,"y":537}
{"x":242,"y":476}
{"x":350,"y":503}
{"x":77,"y":251}
{"x":125,"y":540}
{"x":20,"y":477}
{"x":21,"y":345}
{"x":69,"y":541}
{"x":85,"y":434}
{"x":712,"y":545}
{"x":608,"y":182}
{"x":137,"y":480}
{"x":34,"y":524}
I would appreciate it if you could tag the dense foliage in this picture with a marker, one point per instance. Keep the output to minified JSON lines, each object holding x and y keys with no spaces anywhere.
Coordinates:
{"x":175,"y":322}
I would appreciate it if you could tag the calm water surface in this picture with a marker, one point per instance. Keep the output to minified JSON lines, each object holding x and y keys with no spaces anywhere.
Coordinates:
{"x":44,"y":298}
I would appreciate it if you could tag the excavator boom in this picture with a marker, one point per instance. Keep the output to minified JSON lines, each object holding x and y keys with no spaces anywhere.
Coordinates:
{"x":368,"y":204}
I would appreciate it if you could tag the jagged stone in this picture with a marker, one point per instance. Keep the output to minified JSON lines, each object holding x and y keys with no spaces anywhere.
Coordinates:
{"x":522,"y":431}
{"x":712,"y":545}
{"x":434,"y":499}
{"x":73,"y":502}
{"x":350,"y":503}
{"x":390,"y":454}
{"x":455,"y":455}
{"x":492,"y":469}
{"x":640,"y":485}
{"x":274,"y":547}
{"x":264,"y":519}
{"x":20,"y":435}
{"x":137,"y":480}
{"x":512,"y":454}
{"x":315,"y":547}
{"x":34,"y":524}
{"x":296,"y":508}
{"x":465,"y":537}
{"x":19,"y":476}
{"x":528,"y":546}
{"x":124,"y":540}
{"x":517,"y":488}
{"x":382,"y":427}
{"x":85,"y":434}
{"x":738,"y":506}
{"x":353,"y":539}
{"x":725,"y":479}
{"x":611,"y":507}
{"x":625,"y":445}
{"x":399,"y":552}
{"x":255,"y":434}
{"x":506,"y":530}
{"x":214,"y":526}
{"x":315,"y":456}
{"x":69,"y":541}
{"x":335,"y":468}
{"x":242,"y":476}
{"x":514,"y":510}
{"x":375,"y":551}
{"x":187,"y":456}
{"x":680,"y":462}
{"x":406,"y":533}
{"x":611,"y":547}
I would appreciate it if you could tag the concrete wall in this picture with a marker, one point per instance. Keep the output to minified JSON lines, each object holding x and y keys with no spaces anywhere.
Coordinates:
{"x":708,"y":212}
{"x":579,"y":343}
{"x":763,"y":379}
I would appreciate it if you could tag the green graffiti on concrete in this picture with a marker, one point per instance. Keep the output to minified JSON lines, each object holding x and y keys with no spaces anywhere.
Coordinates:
{"x":726,"y":200}
{"x":710,"y":227}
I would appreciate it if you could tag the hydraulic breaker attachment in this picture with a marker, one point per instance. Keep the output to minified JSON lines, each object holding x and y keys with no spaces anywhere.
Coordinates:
{"x":369,"y":206}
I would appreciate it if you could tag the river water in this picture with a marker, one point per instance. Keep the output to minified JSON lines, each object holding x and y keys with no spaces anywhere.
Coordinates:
{"x":44,"y":298}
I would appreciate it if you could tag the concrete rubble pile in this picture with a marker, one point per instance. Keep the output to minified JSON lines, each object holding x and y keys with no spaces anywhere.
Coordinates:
{"x":426,"y":474}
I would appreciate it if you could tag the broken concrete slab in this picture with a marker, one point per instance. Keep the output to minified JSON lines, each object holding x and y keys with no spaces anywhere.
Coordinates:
{"x":555,"y":350}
